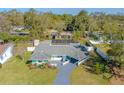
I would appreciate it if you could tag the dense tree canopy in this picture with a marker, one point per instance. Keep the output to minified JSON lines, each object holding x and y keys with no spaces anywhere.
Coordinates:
{"x":39,"y":22}
{"x":5,"y":24}
{"x":16,"y":18}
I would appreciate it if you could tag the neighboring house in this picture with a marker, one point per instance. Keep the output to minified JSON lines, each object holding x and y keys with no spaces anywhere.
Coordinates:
{"x":66,"y":35}
{"x":61,"y":35}
{"x":57,"y":50}
{"x":5,"y":52}
{"x":51,"y":33}
{"x":20,"y":33}
{"x":19,"y":30}
{"x":54,"y":34}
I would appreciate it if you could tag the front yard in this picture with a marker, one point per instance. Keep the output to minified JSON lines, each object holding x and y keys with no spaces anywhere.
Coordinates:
{"x":80,"y":76}
{"x":15,"y":71}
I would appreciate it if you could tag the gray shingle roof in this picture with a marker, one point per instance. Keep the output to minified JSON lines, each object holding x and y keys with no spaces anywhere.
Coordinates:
{"x":38,"y":56}
{"x":44,"y":50}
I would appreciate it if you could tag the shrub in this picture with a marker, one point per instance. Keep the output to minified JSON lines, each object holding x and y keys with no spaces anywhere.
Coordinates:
{"x":0,"y":65}
{"x":107,"y":76}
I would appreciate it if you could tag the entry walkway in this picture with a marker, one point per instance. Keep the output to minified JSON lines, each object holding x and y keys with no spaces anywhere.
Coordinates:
{"x":63,"y":76}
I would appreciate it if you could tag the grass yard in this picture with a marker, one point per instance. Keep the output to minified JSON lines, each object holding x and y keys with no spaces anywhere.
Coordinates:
{"x":20,"y":48}
{"x":80,"y":76}
{"x":103,"y":47}
{"x":15,"y":71}
{"x":83,"y":41}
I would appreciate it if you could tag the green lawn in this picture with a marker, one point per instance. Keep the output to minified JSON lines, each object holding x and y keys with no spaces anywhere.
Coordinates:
{"x":83,"y":41}
{"x":15,"y":71}
{"x":80,"y":76}
{"x":103,"y":47}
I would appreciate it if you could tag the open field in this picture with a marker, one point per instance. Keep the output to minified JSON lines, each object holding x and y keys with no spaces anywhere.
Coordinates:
{"x":80,"y":76}
{"x":15,"y":71}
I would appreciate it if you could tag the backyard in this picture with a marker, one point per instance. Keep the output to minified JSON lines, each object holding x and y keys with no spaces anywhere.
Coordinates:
{"x":15,"y":71}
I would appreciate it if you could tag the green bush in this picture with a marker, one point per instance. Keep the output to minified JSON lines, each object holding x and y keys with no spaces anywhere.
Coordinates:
{"x":0,"y":65}
{"x":107,"y":75}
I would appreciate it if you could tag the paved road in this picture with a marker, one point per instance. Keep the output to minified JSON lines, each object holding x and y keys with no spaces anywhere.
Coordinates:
{"x":63,"y":76}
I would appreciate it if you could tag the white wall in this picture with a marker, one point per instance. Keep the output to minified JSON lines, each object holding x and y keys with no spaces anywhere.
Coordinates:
{"x":66,"y":62}
{"x":55,"y":58}
{"x":96,"y":42}
{"x":6,"y":55}
{"x":90,"y":49}
{"x":30,"y":49}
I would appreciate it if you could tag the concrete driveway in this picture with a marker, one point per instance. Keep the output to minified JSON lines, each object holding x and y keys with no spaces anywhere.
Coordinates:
{"x":63,"y":76}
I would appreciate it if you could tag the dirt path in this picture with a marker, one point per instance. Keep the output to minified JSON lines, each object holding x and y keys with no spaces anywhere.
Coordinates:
{"x":116,"y":81}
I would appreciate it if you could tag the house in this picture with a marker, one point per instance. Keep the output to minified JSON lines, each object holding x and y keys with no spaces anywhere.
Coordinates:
{"x":22,"y":33}
{"x":51,"y":33}
{"x":57,"y":50}
{"x":54,"y":34}
{"x":19,"y":30}
{"x":66,"y":35}
{"x":5,"y":52}
{"x":62,"y":35}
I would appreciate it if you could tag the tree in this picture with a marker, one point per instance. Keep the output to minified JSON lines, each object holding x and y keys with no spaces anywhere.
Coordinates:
{"x":4,"y":36}
{"x":16,"y":18}
{"x":110,"y":28}
{"x":34,"y":20}
{"x":98,"y":18}
{"x":77,"y":35}
{"x":116,"y":54}
{"x":93,"y":26}
{"x":97,"y":68}
{"x":30,"y":18}
{"x":67,"y":19}
{"x":60,"y":26}
{"x":80,"y":22}
{"x":4,"y":23}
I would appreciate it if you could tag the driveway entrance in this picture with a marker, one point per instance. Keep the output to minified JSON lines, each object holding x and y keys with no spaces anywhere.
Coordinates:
{"x":63,"y":76}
